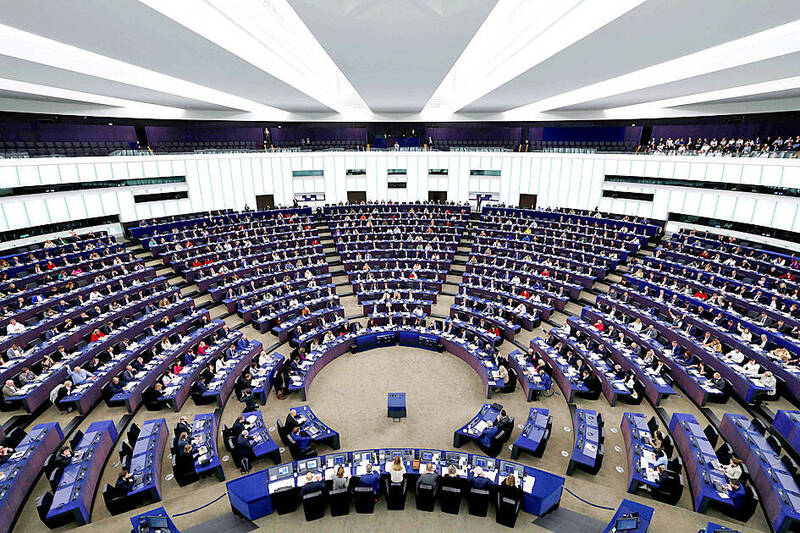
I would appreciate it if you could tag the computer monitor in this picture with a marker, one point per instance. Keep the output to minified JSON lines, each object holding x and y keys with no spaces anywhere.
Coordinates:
{"x":426,"y":456}
{"x":284,"y":470}
{"x":478,"y":461}
{"x":157,"y":522}
{"x":627,"y":523}
{"x":339,"y":459}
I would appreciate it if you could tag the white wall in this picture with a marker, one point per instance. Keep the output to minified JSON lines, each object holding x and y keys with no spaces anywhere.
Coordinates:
{"x":565,"y":180}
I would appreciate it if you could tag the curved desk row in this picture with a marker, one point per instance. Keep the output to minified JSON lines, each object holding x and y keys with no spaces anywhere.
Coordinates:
{"x":251,"y":495}
{"x":366,"y":339}
{"x":588,"y":451}
{"x":74,"y":495}
{"x":20,"y":471}
{"x":146,"y":461}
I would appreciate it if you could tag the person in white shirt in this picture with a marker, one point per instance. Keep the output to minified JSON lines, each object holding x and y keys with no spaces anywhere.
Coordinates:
{"x":95,"y":295}
{"x":734,"y":356}
{"x":328,"y":337}
{"x":733,"y":470}
{"x":14,"y":327}
{"x":751,"y":367}
{"x":769,"y":381}
{"x":637,"y":325}
{"x":397,"y":471}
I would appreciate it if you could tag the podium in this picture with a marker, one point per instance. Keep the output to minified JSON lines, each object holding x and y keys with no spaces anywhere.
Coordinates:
{"x":396,"y":406}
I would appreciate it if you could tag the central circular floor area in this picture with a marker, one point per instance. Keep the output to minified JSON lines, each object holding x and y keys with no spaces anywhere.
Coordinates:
{"x":442,"y":394}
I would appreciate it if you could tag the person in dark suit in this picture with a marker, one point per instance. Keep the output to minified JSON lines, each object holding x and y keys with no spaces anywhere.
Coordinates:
{"x":245,"y":450}
{"x":124,"y":481}
{"x":487,"y":437}
{"x":371,"y":479}
{"x":200,"y":386}
{"x":479,"y":481}
{"x":238,"y":426}
{"x":313,"y":484}
{"x":249,"y":400}
{"x":63,"y":458}
{"x":429,"y":477}
{"x":301,"y":438}
{"x":677,"y":349}
{"x":591,"y":382}
{"x":115,"y":387}
{"x":452,"y":479}
{"x":293,"y":421}
{"x":183,"y":426}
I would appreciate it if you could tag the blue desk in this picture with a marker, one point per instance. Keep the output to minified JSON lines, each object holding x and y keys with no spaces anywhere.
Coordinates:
{"x":74,"y":495}
{"x":258,"y":435}
{"x":587,"y":453}
{"x":707,"y":483}
{"x":533,"y":382}
{"x":636,"y":433}
{"x":787,"y":424}
{"x":204,"y":446}
{"x":627,"y":507}
{"x":146,"y":460}
{"x":534,"y":435}
{"x":250,"y":495}
{"x":396,"y":405}
{"x":20,"y":471}
{"x":473,"y":429}
{"x":316,"y":429}
{"x":780,"y":494}
{"x":139,"y":522}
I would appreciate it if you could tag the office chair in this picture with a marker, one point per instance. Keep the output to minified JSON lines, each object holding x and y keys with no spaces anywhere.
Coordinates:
{"x":724,"y":453}
{"x":478,"y":500}
{"x":76,"y":439}
{"x":125,"y":454}
{"x":395,"y":494}
{"x":711,"y":434}
{"x":281,"y":432}
{"x":364,"y":500}
{"x":539,"y":451}
{"x":774,"y":444}
{"x":116,"y":501}
{"x":339,"y":501}
{"x":314,"y":505}
{"x":749,"y":504}
{"x":133,"y":434}
{"x":508,"y":501}
{"x":450,"y":499}
{"x":426,"y":495}
{"x":285,"y":500}
{"x":759,"y":425}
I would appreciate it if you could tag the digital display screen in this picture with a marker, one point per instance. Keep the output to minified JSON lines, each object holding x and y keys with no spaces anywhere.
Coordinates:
{"x":338,"y":460}
{"x":282,"y":471}
{"x":480,"y":462}
{"x":508,"y":469}
{"x":427,"y":456}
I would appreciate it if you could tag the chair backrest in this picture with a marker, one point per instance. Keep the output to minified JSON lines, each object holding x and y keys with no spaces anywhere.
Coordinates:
{"x":773,"y":442}
{"x":76,"y":439}
{"x":711,"y":434}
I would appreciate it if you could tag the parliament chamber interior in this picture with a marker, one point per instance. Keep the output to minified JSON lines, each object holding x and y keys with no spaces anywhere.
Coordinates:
{"x":516,"y":264}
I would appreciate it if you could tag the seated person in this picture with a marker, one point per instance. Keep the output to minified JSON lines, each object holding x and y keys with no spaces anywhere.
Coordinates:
{"x":509,"y":489}
{"x":428,"y":477}
{"x":340,"y":479}
{"x":452,"y":479}
{"x":63,"y":458}
{"x":115,"y":387}
{"x":733,"y":470}
{"x":124,"y":481}
{"x":397,"y":471}
{"x":314,"y":483}
{"x":370,"y":479}
{"x":487,"y":437}
{"x":301,"y":438}
{"x":293,"y":420}
{"x":479,"y":480}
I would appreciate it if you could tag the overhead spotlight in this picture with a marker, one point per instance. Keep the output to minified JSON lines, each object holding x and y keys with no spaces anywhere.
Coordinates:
{"x":110,"y":123}
{"x":633,"y":124}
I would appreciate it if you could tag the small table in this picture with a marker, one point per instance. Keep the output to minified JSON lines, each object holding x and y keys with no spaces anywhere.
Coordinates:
{"x":397,"y":406}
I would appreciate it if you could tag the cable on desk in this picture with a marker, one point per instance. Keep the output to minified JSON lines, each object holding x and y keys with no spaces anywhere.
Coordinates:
{"x":202,"y":506}
{"x":585,"y":501}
